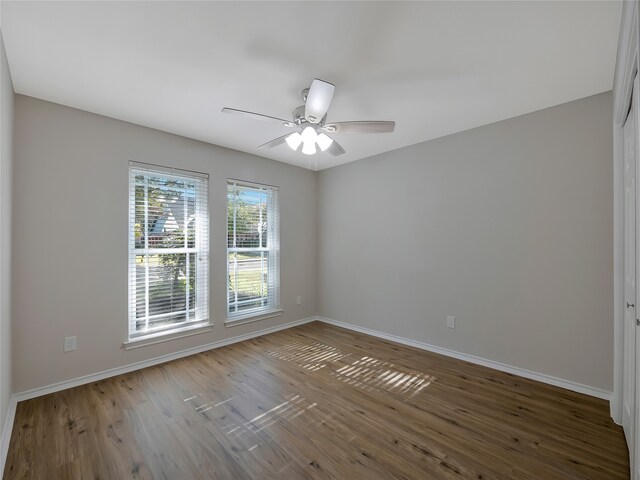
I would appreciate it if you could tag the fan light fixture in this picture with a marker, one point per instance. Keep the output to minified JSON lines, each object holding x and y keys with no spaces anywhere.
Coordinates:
{"x":308,"y":138}
{"x":309,"y":135}
{"x":323,"y":141}
{"x":309,"y":148}
{"x":309,"y":121}
{"x":294,"y":140}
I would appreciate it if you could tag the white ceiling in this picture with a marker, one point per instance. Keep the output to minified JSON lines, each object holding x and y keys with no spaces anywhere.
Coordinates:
{"x":434,"y":67}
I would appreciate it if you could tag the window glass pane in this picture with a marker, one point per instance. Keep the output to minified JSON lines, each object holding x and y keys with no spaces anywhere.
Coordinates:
{"x":252,"y":248}
{"x":170,"y":212}
{"x":247,"y":218}
{"x":167,"y":283}
{"x":167,"y":289}
{"x":248,"y":280}
{"x":168,"y":234}
{"x":191,"y":260}
{"x":140,"y":201}
{"x":141,"y":302}
{"x":191,"y":229}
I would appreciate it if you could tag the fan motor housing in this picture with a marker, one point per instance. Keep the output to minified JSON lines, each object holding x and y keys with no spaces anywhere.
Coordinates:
{"x":299,"y":118}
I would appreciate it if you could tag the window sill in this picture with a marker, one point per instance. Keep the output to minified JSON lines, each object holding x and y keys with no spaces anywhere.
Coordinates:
{"x":161,"y":337}
{"x":252,"y":317}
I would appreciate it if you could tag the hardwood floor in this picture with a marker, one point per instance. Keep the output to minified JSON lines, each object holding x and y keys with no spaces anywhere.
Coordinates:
{"x":316,"y":402}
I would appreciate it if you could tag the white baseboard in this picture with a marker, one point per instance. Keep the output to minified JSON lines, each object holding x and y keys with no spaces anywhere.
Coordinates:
{"x":616,"y":414}
{"x":6,"y":433}
{"x":541,"y":377}
{"x":94,"y":377}
{"x":55,"y":387}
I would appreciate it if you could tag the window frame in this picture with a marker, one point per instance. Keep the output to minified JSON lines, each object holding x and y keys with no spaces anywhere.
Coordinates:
{"x":201,"y":319}
{"x":272,"y":308}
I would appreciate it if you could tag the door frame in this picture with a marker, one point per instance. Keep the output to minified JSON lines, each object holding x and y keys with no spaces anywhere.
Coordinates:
{"x":626,"y":68}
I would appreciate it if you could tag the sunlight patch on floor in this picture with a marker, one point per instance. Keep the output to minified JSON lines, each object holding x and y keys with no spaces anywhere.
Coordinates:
{"x":369,"y":373}
{"x":312,"y":357}
{"x":291,"y":408}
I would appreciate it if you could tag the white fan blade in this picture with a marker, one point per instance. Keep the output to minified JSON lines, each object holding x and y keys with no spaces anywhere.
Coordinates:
{"x":335,"y":149}
{"x":359,"y":127}
{"x":258,"y":116}
{"x":318,"y":100}
{"x":275,"y":142}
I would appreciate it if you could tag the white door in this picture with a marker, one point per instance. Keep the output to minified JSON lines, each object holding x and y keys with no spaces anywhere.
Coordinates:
{"x":629,"y":366}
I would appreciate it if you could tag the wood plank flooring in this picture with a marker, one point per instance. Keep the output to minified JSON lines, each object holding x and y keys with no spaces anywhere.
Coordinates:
{"x":316,"y":402}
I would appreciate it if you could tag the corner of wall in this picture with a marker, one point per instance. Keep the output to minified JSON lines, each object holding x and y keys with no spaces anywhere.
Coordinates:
{"x":6,"y":167}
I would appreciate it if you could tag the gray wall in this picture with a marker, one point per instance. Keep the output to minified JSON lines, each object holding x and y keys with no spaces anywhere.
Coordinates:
{"x":70,"y":237}
{"x":6,"y":161}
{"x":508,"y":227}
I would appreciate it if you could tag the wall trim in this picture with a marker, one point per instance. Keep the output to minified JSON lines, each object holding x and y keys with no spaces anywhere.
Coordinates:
{"x":6,"y":432}
{"x":625,"y":71}
{"x":112,"y":372}
{"x":56,"y":387}
{"x":5,"y":438}
{"x":521,"y":372}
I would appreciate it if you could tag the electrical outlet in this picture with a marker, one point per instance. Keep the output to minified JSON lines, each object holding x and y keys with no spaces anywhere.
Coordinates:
{"x":70,"y":343}
{"x":451,"y":322}
{"x":299,"y":300}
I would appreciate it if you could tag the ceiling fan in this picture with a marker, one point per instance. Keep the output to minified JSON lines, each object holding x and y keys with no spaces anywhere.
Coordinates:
{"x":310,"y":122}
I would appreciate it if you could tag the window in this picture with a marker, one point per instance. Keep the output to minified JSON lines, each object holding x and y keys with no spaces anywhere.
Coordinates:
{"x":253,"y":250}
{"x":168,"y":250}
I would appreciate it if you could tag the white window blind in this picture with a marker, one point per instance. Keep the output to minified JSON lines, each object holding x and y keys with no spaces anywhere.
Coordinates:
{"x":168,"y":249}
{"x":253,"y":249}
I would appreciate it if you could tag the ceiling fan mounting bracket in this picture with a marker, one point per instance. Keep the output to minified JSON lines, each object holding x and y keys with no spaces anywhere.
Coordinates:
{"x":298,"y":115}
